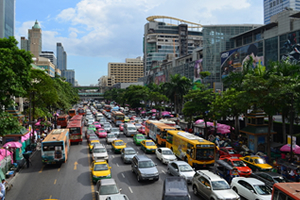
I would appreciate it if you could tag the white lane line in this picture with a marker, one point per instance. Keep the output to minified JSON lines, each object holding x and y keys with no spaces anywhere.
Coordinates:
{"x":112,"y":156}
{"x":130,"y":189}
{"x":163,"y":171}
{"x":117,"y":164}
{"x":123,"y":175}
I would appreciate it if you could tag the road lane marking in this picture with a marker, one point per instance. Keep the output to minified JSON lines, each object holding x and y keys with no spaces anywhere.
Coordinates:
{"x":42,"y":169}
{"x":58,"y":169}
{"x":75,"y":165}
{"x":130,"y":189}
{"x":163,"y":171}
{"x":91,"y":178}
{"x":118,"y":165}
{"x":50,"y":197}
{"x":123,"y":175}
{"x":112,"y":156}
{"x":54,"y":181}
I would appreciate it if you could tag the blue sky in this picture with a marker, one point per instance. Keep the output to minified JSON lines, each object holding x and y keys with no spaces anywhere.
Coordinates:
{"x":96,"y":32}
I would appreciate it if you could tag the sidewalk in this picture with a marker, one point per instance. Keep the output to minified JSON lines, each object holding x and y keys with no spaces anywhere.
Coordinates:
{"x":12,"y":179}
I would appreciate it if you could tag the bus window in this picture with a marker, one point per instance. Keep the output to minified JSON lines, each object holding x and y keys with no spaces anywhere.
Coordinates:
{"x":170,"y":138}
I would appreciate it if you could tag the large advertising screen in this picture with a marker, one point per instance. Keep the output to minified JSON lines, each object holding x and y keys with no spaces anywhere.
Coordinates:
{"x":197,"y":69}
{"x":233,"y":60}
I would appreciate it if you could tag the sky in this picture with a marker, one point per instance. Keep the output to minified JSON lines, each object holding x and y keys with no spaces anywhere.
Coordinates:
{"x":96,"y":32}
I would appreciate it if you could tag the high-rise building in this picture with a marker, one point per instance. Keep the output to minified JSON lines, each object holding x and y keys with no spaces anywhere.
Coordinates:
{"x":273,"y":7}
{"x":61,"y":57}
{"x":127,"y":72}
{"x":7,"y":18}
{"x":35,"y":39}
{"x":46,"y":64}
{"x":25,"y":44}
{"x":48,"y":54}
{"x":164,"y":41}
{"x":69,"y":74}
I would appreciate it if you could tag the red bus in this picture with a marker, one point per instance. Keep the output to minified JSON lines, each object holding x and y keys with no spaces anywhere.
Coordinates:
{"x":81,"y":111}
{"x":107,"y":108}
{"x":75,"y":129}
{"x":286,"y":191}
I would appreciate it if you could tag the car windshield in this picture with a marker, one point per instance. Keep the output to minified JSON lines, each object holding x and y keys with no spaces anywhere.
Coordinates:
{"x":259,"y":161}
{"x":100,"y":167}
{"x":150,"y":144}
{"x":279,"y":179}
{"x":131,"y":128}
{"x":146,"y":164}
{"x":185,"y":168}
{"x":106,"y":126}
{"x":96,"y":123}
{"x":101,"y":131}
{"x":93,"y":143}
{"x":167,"y":152}
{"x":262,"y":189}
{"x":140,"y":137}
{"x":100,"y":150}
{"x":119,"y":143}
{"x":138,"y":124}
{"x":108,"y":190}
{"x":220,"y":185}
{"x":205,"y":154}
{"x":130,"y":152}
{"x":231,"y":151}
{"x":238,"y":163}
{"x":111,"y":136}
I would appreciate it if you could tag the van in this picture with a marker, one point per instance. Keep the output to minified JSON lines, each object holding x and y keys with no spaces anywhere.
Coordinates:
{"x":129,"y":129}
{"x":63,"y":121}
{"x":175,"y":188}
{"x":99,"y":116}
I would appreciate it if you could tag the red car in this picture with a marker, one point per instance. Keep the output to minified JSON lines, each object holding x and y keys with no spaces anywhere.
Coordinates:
{"x":142,"y":130}
{"x":229,"y":152}
{"x":237,"y":163}
{"x":121,"y":127}
{"x":101,"y":133}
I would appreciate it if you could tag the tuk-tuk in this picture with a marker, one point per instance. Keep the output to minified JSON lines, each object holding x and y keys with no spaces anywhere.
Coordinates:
{"x":288,"y":170}
{"x":224,"y":170}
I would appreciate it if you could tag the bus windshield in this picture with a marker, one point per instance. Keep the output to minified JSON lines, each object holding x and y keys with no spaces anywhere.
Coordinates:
{"x":75,"y":130}
{"x":205,"y":154}
{"x":119,"y":117}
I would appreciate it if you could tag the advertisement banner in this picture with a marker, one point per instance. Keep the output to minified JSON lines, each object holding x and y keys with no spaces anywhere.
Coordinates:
{"x":197,"y":69}
{"x":233,"y":60}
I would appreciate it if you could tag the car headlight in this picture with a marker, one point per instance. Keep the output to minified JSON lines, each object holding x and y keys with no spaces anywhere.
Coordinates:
{"x":109,"y":175}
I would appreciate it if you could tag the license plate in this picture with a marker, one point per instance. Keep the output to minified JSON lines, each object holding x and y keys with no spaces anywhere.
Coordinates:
{"x":150,"y":179}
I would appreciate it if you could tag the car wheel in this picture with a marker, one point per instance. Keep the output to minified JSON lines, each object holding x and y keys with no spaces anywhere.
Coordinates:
{"x":235,"y":189}
{"x":195,"y":190}
{"x":138,"y":178}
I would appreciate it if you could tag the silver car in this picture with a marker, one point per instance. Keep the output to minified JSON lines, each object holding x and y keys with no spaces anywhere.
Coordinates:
{"x":106,"y":188}
{"x":115,"y":131}
{"x":99,"y":152}
{"x":211,"y":186}
{"x":107,"y":128}
{"x":110,"y":138}
{"x":182,"y":169}
{"x":127,"y":154}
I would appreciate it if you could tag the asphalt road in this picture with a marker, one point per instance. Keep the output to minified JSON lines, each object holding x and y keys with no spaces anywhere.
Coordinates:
{"x":72,"y":180}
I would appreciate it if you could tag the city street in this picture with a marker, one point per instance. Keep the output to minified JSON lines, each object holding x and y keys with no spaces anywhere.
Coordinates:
{"x":72,"y":180}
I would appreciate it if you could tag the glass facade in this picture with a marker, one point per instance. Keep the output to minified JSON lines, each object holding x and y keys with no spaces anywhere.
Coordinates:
{"x":271,"y":49}
{"x":70,"y":76}
{"x":61,"y":57}
{"x":7,"y":18}
{"x":216,"y":40}
{"x":273,"y":7}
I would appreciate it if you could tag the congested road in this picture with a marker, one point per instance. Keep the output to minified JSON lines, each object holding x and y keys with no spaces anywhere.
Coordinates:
{"x":72,"y":180}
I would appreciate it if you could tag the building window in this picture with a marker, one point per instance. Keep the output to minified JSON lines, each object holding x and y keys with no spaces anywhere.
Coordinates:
{"x":271,"y":5}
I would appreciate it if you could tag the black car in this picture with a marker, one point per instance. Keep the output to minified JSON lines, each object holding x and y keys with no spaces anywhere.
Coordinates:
{"x":269,"y":178}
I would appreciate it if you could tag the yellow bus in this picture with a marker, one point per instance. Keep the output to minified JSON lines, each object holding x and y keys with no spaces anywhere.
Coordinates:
{"x":117,"y":117}
{"x":193,"y":149}
{"x":55,"y":147}
{"x":158,"y":132}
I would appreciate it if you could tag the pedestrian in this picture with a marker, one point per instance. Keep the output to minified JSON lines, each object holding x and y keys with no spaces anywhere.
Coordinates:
{"x":2,"y":185}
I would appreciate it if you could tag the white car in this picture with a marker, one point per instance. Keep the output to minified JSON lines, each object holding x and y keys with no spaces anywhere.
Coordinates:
{"x":106,"y":188}
{"x":99,"y":152}
{"x":182,"y":169}
{"x":251,"y":188}
{"x":165,"y":155}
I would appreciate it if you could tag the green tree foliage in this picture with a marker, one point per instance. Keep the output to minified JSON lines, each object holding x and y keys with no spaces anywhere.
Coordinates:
{"x":14,"y":71}
{"x":134,"y":94}
{"x":14,"y":80}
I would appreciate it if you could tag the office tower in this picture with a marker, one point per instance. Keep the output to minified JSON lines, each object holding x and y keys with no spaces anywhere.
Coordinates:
{"x":46,"y":64}
{"x":69,"y":74}
{"x":35,"y":39}
{"x":164,"y":41}
{"x":50,"y":55}
{"x":25,"y":44}
{"x":127,"y":72}
{"x":61,"y":57}
{"x":7,"y":18}
{"x":273,"y":7}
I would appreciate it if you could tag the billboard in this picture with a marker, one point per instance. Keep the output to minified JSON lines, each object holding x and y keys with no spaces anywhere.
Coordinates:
{"x":197,"y":69}
{"x":233,"y":60}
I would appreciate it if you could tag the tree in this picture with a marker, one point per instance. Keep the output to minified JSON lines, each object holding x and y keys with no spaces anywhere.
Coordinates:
{"x":15,"y":65}
{"x":198,"y":103}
